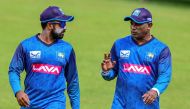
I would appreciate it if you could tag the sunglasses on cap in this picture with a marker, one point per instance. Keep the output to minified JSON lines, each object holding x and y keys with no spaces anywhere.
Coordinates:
{"x":62,"y":24}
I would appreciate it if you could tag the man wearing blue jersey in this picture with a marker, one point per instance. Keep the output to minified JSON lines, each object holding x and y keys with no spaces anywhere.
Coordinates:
{"x":49,"y":63}
{"x":141,"y":63}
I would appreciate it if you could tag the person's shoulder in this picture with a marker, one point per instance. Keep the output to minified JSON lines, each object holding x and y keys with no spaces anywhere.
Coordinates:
{"x":29,"y":40}
{"x":159,"y":43}
{"x":64,"y":43}
{"x":123,"y":39}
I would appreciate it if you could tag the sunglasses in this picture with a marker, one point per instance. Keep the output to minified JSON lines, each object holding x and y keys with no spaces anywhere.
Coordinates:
{"x":62,"y":24}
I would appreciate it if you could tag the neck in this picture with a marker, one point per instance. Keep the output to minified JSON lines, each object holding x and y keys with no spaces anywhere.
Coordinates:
{"x":141,"y":41}
{"x":45,"y":37}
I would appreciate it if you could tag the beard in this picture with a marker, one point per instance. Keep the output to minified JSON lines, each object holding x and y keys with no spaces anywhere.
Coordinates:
{"x":57,"y":33}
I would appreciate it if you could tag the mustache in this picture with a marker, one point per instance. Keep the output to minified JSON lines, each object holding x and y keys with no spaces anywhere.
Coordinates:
{"x":57,"y":33}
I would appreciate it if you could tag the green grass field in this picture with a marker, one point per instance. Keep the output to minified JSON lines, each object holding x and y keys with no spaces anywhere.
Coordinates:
{"x":97,"y":24}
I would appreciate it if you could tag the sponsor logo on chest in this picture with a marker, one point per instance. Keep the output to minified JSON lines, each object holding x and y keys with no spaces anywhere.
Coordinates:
{"x":35,"y":54}
{"x":134,"y":68}
{"x":46,"y":68}
{"x":124,"y":53}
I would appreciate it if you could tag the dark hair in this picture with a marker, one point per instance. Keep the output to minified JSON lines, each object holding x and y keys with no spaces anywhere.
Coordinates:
{"x":44,"y":25}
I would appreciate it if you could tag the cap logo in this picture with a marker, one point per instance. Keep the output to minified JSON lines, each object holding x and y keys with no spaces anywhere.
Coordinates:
{"x":136,"y":12}
{"x":149,"y":19}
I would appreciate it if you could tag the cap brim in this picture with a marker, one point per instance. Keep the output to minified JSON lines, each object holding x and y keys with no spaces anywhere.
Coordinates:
{"x":129,"y":18}
{"x":65,"y":18}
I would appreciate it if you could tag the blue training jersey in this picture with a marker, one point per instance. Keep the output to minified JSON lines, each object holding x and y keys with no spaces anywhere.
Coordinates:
{"x":48,"y":69}
{"x":138,"y":69}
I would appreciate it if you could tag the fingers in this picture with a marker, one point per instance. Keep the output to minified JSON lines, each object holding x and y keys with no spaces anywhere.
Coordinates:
{"x":149,"y":97}
{"x":23,"y":102}
{"x":22,"y":99}
{"x":107,"y":64}
{"x":107,"y":61}
{"x":26,"y":102}
{"x":104,"y":67}
{"x":107,"y":56}
{"x":20,"y":102}
{"x":103,"y":64}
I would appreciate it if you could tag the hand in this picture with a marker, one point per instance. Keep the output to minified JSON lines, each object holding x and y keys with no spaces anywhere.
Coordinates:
{"x":150,"y":96}
{"x":107,"y":64}
{"x":22,"y":99}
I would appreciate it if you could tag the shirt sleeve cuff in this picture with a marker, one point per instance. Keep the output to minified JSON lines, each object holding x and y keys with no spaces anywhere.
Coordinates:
{"x":105,"y":73}
{"x":158,"y":92}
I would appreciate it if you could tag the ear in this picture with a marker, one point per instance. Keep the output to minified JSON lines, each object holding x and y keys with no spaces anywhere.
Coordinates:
{"x":49,"y":26}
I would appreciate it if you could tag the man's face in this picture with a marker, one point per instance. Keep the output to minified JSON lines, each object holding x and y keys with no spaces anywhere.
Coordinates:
{"x":139,"y":31}
{"x":58,"y":29}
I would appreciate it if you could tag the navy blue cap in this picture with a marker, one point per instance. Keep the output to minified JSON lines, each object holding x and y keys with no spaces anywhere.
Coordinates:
{"x":140,"y":16}
{"x":54,"y":13}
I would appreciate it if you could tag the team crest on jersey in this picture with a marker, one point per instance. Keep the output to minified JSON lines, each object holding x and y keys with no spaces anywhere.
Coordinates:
{"x":35,"y":54}
{"x":60,"y":56}
{"x":149,"y":56}
{"x":124,"y":53}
